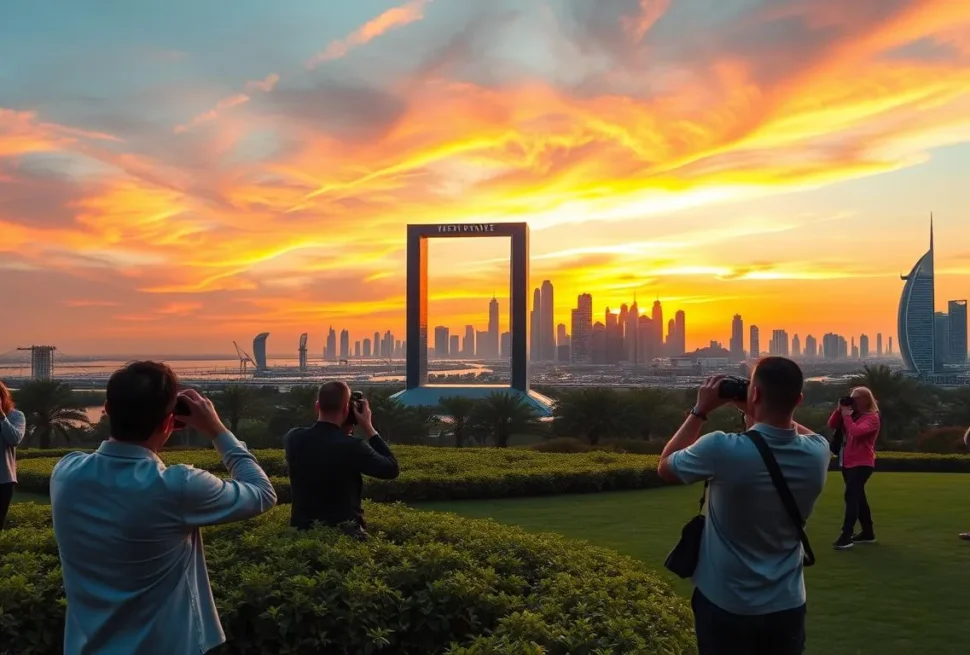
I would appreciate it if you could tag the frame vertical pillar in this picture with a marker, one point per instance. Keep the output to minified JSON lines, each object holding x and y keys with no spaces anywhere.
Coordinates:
{"x":519,"y":322}
{"x":417,"y":308}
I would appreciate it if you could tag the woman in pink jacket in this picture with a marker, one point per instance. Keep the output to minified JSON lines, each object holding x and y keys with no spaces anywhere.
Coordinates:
{"x":859,"y":423}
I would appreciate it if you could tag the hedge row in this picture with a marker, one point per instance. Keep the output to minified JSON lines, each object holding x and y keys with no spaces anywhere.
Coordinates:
{"x":429,"y":473}
{"x":425,"y":583}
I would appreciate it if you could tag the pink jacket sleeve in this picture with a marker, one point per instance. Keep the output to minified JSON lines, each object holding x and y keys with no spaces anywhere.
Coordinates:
{"x":835,"y":420}
{"x":867,"y":426}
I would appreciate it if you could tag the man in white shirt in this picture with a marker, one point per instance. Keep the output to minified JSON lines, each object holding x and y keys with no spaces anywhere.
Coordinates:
{"x":127,"y":526}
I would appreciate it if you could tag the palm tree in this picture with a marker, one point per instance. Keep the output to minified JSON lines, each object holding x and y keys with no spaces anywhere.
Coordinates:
{"x":460,"y":410}
{"x":397,"y":421}
{"x":655,"y":413}
{"x":52,"y":411}
{"x":237,"y":402}
{"x":905,"y":406}
{"x":594,"y":413}
{"x":500,"y":415}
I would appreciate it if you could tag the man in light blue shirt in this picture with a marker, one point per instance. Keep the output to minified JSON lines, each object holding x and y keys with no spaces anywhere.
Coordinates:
{"x":127,"y":526}
{"x":749,"y":593}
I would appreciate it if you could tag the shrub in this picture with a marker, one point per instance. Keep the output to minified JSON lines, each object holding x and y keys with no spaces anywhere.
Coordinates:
{"x":430,"y":473}
{"x":562,"y":445}
{"x":425,"y":583}
{"x":942,"y":440}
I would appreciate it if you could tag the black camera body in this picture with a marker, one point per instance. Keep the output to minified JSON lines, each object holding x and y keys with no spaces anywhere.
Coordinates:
{"x":847,"y":401}
{"x":734,"y":387}
{"x":356,"y":404}
{"x":181,"y":409}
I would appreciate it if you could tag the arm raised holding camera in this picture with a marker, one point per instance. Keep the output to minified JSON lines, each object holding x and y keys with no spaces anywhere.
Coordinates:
{"x":209,"y":500}
{"x":708,"y":400}
{"x":374,"y":457}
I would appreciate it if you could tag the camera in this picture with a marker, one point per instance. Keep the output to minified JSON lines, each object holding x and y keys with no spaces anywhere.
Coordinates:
{"x":734,"y":388}
{"x":356,"y":405}
{"x":847,"y":401}
{"x":181,"y":409}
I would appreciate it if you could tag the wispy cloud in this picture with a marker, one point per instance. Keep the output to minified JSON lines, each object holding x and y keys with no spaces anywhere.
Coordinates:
{"x":264,"y":85}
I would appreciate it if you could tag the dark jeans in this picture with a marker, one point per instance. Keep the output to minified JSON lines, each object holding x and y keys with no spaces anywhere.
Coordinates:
{"x":856,"y":504}
{"x":6,"y":493}
{"x":722,"y":633}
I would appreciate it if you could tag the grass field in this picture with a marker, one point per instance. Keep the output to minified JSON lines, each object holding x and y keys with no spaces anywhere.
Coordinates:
{"x":27,"y":497}
{"x":909,"y":593}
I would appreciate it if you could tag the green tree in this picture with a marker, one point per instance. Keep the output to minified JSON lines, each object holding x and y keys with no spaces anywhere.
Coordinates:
{"x":593,"y":413}
{"x":237,"y":402}
{"x":657,"y":413}
{"x":500,"y":415}
{"x":460,"y":410}
{"x":52,"y":411}
{"x":906,"y":408}
{"x":398,"y":422}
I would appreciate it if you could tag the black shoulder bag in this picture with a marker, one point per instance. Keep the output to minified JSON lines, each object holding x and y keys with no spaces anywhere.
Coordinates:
{"x":787,"y":499}
{"x":835,"y":445}
{"x":682,"y":560}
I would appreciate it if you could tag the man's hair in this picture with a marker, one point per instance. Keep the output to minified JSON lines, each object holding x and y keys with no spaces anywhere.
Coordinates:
{"x":333,"y":397}
{"x":140,"y":397}
{"x":780,"y":381}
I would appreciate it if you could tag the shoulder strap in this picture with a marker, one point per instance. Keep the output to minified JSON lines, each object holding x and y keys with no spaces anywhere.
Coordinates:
{"x":700,"y":507}
{"x":787,"y":499}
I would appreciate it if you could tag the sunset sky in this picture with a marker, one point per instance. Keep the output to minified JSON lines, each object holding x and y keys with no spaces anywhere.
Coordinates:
{"x":177,"y":175}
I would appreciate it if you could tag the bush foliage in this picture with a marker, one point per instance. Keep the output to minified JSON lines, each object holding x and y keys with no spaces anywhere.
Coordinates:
{"x":425,"y":583}
{"x":429,"y":473}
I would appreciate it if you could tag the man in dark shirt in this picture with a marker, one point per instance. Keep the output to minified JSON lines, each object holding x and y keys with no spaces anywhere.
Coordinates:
{"x":326,"y":462}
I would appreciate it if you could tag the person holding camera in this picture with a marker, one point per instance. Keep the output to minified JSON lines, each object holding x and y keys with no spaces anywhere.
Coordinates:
{"x":857,"y":420}
{"x":13,"y":426}
{"x":326,"y":462}
{"x":127,"y":526}
{"x":748,"y":558}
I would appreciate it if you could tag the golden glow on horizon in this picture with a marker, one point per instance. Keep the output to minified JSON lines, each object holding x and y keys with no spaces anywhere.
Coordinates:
{"x":611,"y":184}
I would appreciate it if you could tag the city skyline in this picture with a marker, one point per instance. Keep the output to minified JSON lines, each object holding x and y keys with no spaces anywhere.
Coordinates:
{"x":258,"y":171}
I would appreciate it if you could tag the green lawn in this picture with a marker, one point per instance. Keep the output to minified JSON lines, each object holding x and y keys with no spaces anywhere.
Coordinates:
{"x":27,"y":497}
{"x":907,"y":594}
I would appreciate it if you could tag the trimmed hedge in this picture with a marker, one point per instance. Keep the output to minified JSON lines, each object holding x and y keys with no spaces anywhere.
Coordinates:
{"x":429,"y":473}
{"x":425,"y":583}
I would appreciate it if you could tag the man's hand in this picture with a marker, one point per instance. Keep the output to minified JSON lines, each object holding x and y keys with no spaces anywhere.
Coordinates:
{"x":708,"y":396}
{"x":364,"y":417}
{"x":203,"y":416}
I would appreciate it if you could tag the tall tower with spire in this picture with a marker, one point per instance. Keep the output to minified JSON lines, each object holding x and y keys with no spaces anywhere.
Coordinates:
{"x":916,"y":320}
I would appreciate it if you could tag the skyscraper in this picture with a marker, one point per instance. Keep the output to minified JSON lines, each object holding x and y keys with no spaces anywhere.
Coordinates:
{"x":377,"y":346}
{"x":344,"y":344}
{"x":671,"y":341}
{"x":633,"y":354}
{"x":958,"y":332}
{"x":582,"y":329}
{"x":547,"y":343}
{"x":562,"y":337}
{"x":332,"y":344}
{"x":879,"y":344}
{"x":648,"y":348}
{"x":916,"y":320}
{"x":864,"y":346}
{"x":811,"y":347}
{"x":779,"y":343}
{"x":468,"y":343}
{"x":506,"y":345}
{"x":492,"y":330}
{"x":737,"y":339}
{"x":454,"y":346}
{"x":755,"y":351}
{"x":658,"y":320}
{"x":483,"y":339}
{"x":357,"y":349}
{"x":367,"y":350}
{"x":441,"y":344}
{"x":941,"y":336}
{"x":796,"y":346}
{"x":680,"y":333}
{"x":535,"y":327}
{"x":259,"y":351}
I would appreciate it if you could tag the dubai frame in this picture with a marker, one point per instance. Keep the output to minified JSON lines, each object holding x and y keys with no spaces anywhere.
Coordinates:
{"x":418,"y":392}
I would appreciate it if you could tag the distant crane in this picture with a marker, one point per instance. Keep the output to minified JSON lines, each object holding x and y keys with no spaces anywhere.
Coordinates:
{"x":303,"y":356}
{"x":41,"y":362}
{"x":244,"y":358}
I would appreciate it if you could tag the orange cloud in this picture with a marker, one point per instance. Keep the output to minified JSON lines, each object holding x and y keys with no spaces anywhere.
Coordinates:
{"x":391,"y":19}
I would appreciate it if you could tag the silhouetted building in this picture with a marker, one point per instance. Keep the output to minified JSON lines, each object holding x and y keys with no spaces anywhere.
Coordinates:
{"x":632,"y":337}
{"x":958,"y":332}
{"x":330,"y":352}
{"x":357,"y":349}
{"x":483,"y":340}
{"x":547,"y":336}
{"x":344,"y":344}
{"x":454,"y":348}
{"x":582,"y":330}
{"x":259,"y":350}
{"x":796,"y":346}
{"x":755,"y":350}
{"x":492,"y":342}
{"x":367,"y":349}
{"x":598,"y":344}
{"x":680,"y":333}
{"x":441,"y":344}
{"x":737,"y":339}
{"x":468,"y":343}
{"x":779,"y":344}
{"x":941,"y":333}
{"x":864,"y":346}
{"x":535,"y":327}
{"x":506,"y":345}
{"x":811,"y":347}
{"x":879,"y":344}
{"x":916,"y":321}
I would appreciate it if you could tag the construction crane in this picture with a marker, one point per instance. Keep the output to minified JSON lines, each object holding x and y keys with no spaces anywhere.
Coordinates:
{"x":41,"y":362}
{"x":244,"y":358}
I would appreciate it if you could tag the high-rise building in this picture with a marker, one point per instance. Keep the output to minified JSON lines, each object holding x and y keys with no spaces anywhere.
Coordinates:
{"x":547,"y":335}
{"x":779,"y":344}
{"x":737,"y":339}
{"x":855,"y":351}
{"x":441,"y":344}
{"x":811,"y":347}
{"x":377,"y":346}
{"x":454,"y":347}
{"x":864,"y":346}
{"x":562,"y":337}
{"x":796,"y":346}
{"x":535,"y":327}
{"x":658,"y":320}
{"x":331,"y":352}
{"x":582,"y":330}
{"x":916,"y":319}
{"x":259,"y":354}
{"x":344,"y":344}
{"x":832,"y":346}
{"x":680,"y":333}
{"x":648,"y":348}
{"x":483,"y":340}
{"x":367,"y":350}
{"x":755,"y":350}
{"x":506,"y":345}
{"x":615,"y":352}
{"x":670,"y":342}
{"x":357,"y":349}
{"x":388,"y":349}
{"x":630,"y":329}
{"x":468,"y":343}
{"x":890,"y":350}
{"x":492,"y":347}
{"x":879,"y":344}
{"x":958,"y":332}
{"x":941,"y":335}
{"x":598,"y":344}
